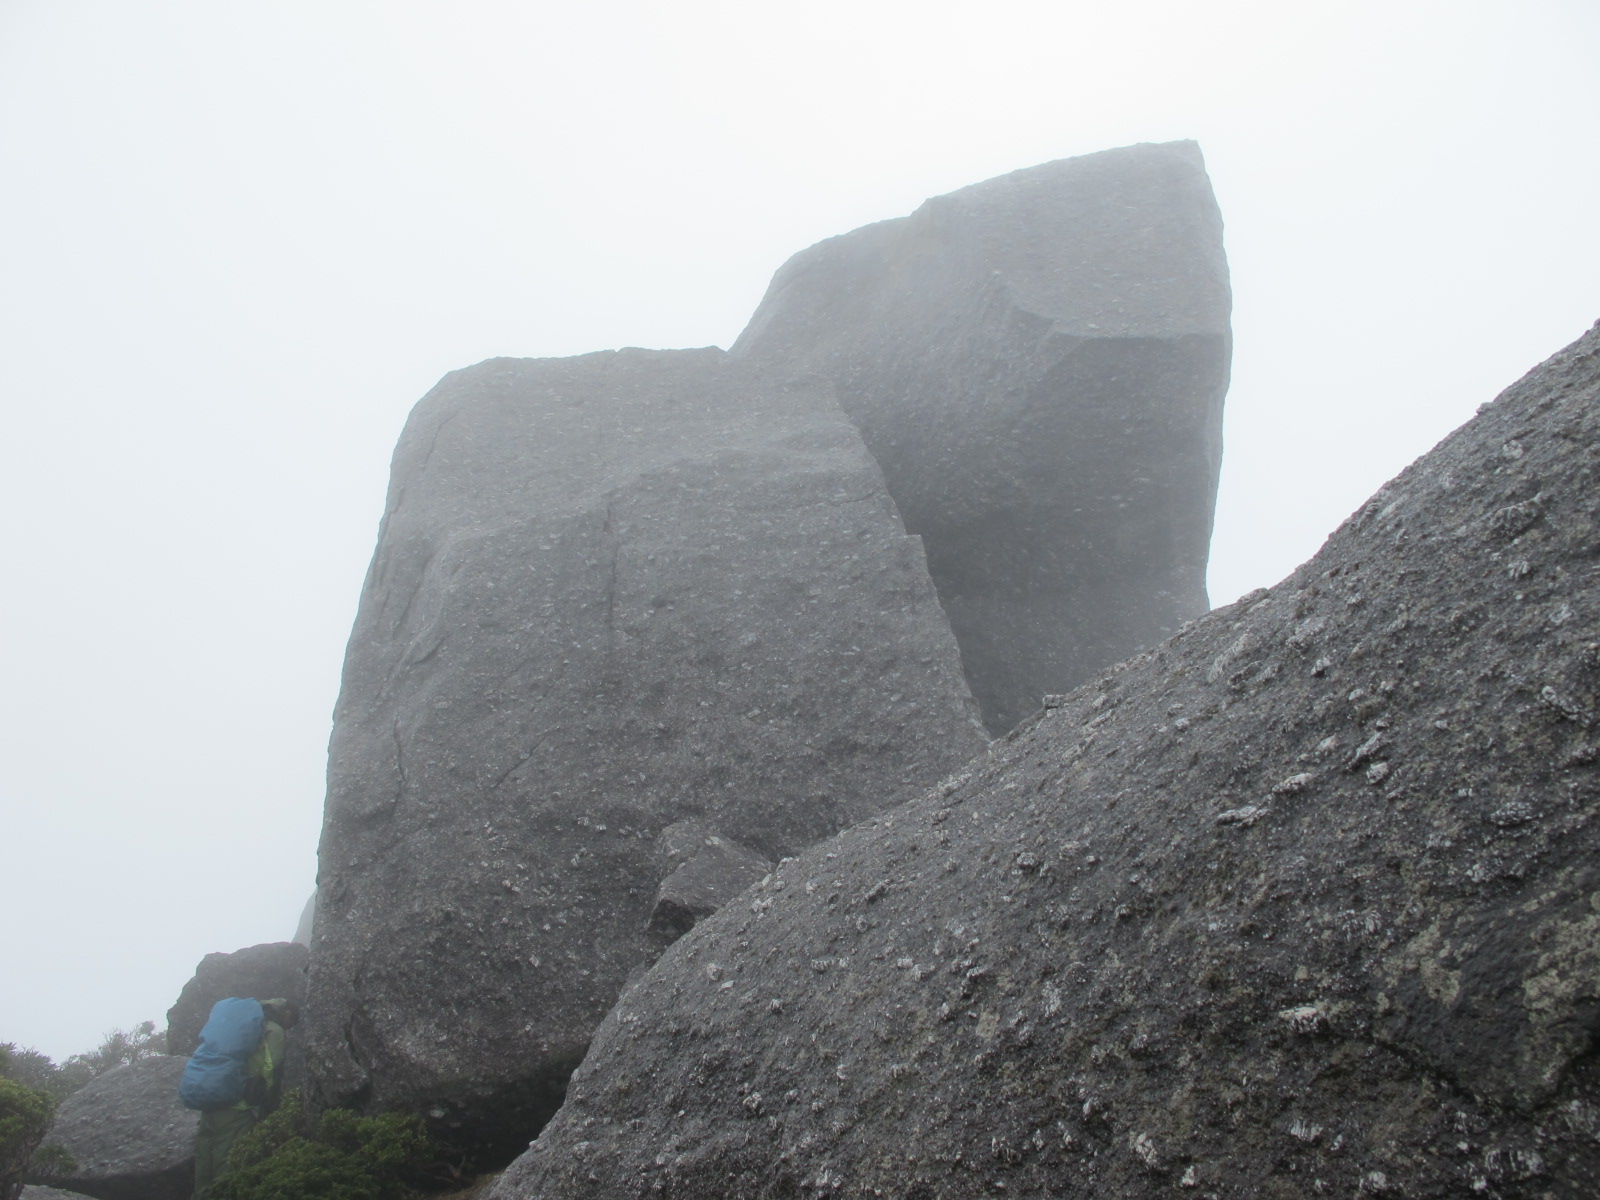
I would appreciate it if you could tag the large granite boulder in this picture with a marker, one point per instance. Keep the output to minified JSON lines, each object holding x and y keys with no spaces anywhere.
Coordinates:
{"x":1038,"y":364}
{"x":131,"y":1137}
{"x":1304,"y":902}
{"x":612,"y":595}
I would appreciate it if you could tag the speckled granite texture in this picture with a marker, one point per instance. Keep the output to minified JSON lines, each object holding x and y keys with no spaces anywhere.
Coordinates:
{"x":1304,"y":902}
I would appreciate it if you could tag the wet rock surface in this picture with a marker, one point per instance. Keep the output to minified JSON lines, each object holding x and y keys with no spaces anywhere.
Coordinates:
{"x":1038,"y":363}
{"x":1304,"y":902}
{"x":131,"y":1137}
{"x":614,"y":596}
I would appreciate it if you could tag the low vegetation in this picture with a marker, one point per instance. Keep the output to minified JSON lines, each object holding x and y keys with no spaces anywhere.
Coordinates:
{"x":340,"y":1156}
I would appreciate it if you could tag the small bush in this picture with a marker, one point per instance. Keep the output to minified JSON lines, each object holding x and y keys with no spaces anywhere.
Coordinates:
{"x":301,"y":1170}
{"x":25,"y":1115}
{"x":50,"y":1162}
{"x":26,"y":1065}
{"x":346,"y":1157}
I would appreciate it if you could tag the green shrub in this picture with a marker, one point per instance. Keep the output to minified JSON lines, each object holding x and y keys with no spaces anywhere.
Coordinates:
{"x":346,"y":1157}
{"x":50,"y":1162}
{"x":26,"y":1065}
{"x":301,"y":1170}
{"x":276,"y":1130}
{"x":25,"y":1114}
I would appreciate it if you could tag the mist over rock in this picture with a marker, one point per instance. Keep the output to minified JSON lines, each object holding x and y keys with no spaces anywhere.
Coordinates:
{"x":1038,"y":364}
{"x":131,"y":1137}
{"x":1305,"y":901}
{"x":612,"y":595}
{"x":302,"y":928}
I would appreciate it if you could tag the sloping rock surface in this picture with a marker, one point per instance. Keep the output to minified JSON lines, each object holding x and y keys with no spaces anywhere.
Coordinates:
{"x":131,"y":1137}
{"x":1304,"y":902}
{"x":37,"y":1192}
{"x":1038,"y":364}
{"x":267,"y":971}
{"x":612,"y":594}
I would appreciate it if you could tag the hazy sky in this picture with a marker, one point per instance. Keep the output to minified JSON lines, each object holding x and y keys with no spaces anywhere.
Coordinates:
{"x":239,"y":240}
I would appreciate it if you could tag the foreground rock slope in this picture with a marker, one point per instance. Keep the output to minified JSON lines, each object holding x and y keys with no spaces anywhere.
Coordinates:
{"x":1038,"y":364}
{"x":1304,"y":902}
{"x":636,"y":619}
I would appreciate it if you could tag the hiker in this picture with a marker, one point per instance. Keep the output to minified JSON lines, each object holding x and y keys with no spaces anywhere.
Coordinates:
{"x":222,"y":1126}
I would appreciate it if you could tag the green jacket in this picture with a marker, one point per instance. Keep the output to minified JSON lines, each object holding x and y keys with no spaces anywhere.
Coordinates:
{"x":264,"y":1071}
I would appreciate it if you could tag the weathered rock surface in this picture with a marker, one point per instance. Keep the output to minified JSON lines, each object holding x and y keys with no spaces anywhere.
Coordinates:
{"x":612,"y":594}
{"x":1304,"y":902}
{"x":1038,"y":364}
{"x":131,"y":1137}
{"x":37,"y":1192}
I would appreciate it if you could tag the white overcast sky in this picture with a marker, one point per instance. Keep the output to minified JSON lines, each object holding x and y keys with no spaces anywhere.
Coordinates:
{"x":239,"y":240}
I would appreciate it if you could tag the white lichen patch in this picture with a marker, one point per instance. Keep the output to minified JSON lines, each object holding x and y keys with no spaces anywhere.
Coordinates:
{"x":1293,"y":784}
{"x":1304,"y":1018}
{"x":1304,"y":1130}
{"x":1144,"y":1147}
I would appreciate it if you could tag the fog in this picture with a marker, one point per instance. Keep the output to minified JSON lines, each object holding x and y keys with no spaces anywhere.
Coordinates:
{"x":237,"y":242}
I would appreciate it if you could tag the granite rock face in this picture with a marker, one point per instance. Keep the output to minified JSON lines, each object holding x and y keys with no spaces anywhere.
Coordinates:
{"x":614,"y":597}
{"x":1038,"y":364}
{"x":1304,"y":902}
{"x":131,"y":1137}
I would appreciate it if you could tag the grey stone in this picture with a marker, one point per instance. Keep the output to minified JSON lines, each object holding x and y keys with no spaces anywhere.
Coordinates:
{"x":131,"y":1137}
{"x":1384,"y":990}
{"x":612,"y":594}
{"x":709,"y":871}
{"x":37,"y":1192}
{"x":1038,"y":364}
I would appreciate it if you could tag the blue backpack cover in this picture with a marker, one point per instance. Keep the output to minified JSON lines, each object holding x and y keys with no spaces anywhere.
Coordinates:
{"x":216,"y":1072}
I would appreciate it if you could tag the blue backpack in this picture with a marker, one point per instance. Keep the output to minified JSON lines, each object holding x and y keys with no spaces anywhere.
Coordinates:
{"x":216,"y":1074}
